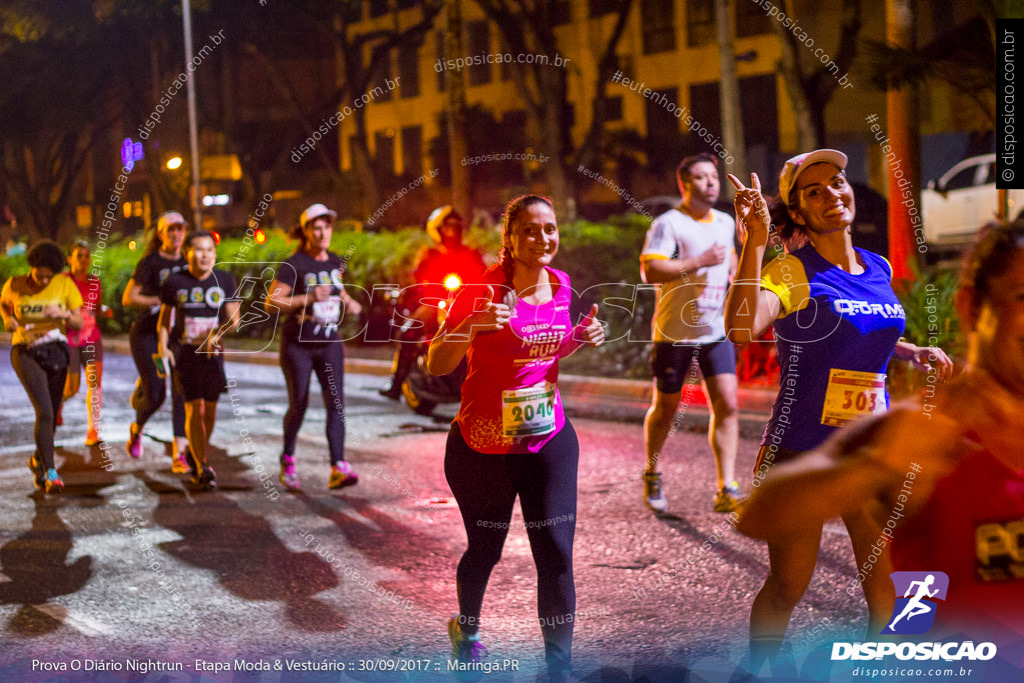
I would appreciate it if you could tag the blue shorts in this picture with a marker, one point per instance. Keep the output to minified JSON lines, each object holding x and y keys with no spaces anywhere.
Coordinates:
{"x":670,"y":362}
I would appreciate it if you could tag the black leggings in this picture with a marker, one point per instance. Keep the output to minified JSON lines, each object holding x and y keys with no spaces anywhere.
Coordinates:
{"x":485,"y":487}
{"x":42,"y":370}
{"x":327,"y":359}
{"x":152,"y":389}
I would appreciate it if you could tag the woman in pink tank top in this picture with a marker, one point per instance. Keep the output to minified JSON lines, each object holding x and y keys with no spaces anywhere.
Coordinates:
{"x":511,"y":436}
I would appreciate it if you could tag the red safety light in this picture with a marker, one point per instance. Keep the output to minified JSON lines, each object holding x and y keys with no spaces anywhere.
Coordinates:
{"x":452,"y":282}
{"x":216,"y":236}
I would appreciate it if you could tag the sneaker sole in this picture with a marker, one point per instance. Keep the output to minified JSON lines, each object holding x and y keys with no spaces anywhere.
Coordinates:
{"x":190,"y":459}
{"x":38,"y":476}
{"x":731,"y":507}
{"x":656,"y":505}
{"x":462,"y":675}
{"x":137,"y":440}
{"x":347,"y":481}
{"x":55,"y":485}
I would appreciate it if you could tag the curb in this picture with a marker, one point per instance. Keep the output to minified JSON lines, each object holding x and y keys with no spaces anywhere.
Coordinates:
{"x":605,"y":397}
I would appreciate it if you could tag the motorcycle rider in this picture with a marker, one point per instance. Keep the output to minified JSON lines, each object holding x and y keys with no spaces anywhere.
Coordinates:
{"x":447,"y":256}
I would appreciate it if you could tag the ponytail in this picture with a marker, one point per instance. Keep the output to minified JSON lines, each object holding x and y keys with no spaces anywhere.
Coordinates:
{"x":296,"y":233}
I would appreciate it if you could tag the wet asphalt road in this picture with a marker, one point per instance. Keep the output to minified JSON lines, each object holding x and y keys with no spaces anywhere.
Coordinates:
{"x":130,"y":564}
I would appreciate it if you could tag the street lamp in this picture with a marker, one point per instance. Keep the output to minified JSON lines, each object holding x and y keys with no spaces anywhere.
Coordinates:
{"x":174,"y":163}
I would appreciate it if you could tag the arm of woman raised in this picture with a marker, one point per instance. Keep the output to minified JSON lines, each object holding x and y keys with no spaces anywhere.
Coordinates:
{"x":749,"y":309}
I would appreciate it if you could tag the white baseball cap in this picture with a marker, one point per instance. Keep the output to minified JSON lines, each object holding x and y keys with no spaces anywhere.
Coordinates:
{"x":795,"y":166}
{"x":170,"y":218}
{"x":316,"y":211}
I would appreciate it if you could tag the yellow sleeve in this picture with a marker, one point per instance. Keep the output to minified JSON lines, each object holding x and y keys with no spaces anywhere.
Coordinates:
{"x":888,"y":264}
{"x":71,"y":296}
{"x":6,"y":296}
{"x":785,"y":277}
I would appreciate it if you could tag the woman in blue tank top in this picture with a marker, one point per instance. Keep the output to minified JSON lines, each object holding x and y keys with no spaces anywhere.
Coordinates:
{"x":836,"y":321}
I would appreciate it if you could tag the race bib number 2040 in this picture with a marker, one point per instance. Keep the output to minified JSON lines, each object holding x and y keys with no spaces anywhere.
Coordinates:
{"x":529,"y":411}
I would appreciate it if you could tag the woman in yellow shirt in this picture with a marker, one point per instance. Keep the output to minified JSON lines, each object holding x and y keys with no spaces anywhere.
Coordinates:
{"x":37,"y":308}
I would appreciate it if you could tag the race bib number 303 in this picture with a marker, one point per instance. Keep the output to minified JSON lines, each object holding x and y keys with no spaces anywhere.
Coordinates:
{"x":852,"y":394}
{"x":529,"y":411}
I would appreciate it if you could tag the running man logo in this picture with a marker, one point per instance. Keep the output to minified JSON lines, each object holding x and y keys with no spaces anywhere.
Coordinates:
{"x":916,"y":593}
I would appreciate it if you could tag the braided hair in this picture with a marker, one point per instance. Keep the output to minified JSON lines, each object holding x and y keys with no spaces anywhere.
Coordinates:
{"x":506,"y":260}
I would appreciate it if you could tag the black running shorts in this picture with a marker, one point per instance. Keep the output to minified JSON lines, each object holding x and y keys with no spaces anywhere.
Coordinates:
{"x":670,"y":362}
{"x":199,"y":375}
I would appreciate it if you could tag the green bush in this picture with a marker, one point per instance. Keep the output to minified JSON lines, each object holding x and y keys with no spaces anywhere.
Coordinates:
{"x":591,"y":253}
{"x":603,"y":260}
{"x":931,"y":321}
{"x":11,"y":266}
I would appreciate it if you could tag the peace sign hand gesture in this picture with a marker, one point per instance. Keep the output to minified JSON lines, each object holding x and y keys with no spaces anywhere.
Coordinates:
{"x":752,"y":218}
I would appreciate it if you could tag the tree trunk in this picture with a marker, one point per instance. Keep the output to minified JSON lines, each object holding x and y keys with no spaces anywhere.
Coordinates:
{"x":360,"y":150}
{"x":559,"y":182}
{"x":792,"y":78}
{"x":282,"y":85}
{"x":457,"y":150}
{"x":589,"y":152}
{"x":729,"y":91}
{"x":904,"y":139}
{"x":526,"y":28}
{"x":810,"y":94}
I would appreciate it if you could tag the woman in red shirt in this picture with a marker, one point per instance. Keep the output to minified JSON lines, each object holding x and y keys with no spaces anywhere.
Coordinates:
{"x":85,"y":346}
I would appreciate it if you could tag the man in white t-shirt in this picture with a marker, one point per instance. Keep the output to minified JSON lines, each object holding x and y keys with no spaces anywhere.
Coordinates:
{"x":689,"y":254}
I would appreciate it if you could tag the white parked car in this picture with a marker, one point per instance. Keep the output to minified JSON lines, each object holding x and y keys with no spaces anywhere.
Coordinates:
{"x":956,"y":205}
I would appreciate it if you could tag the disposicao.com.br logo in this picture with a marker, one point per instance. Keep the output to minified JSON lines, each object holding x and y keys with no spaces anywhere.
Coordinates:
{"x":917,"y":594}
